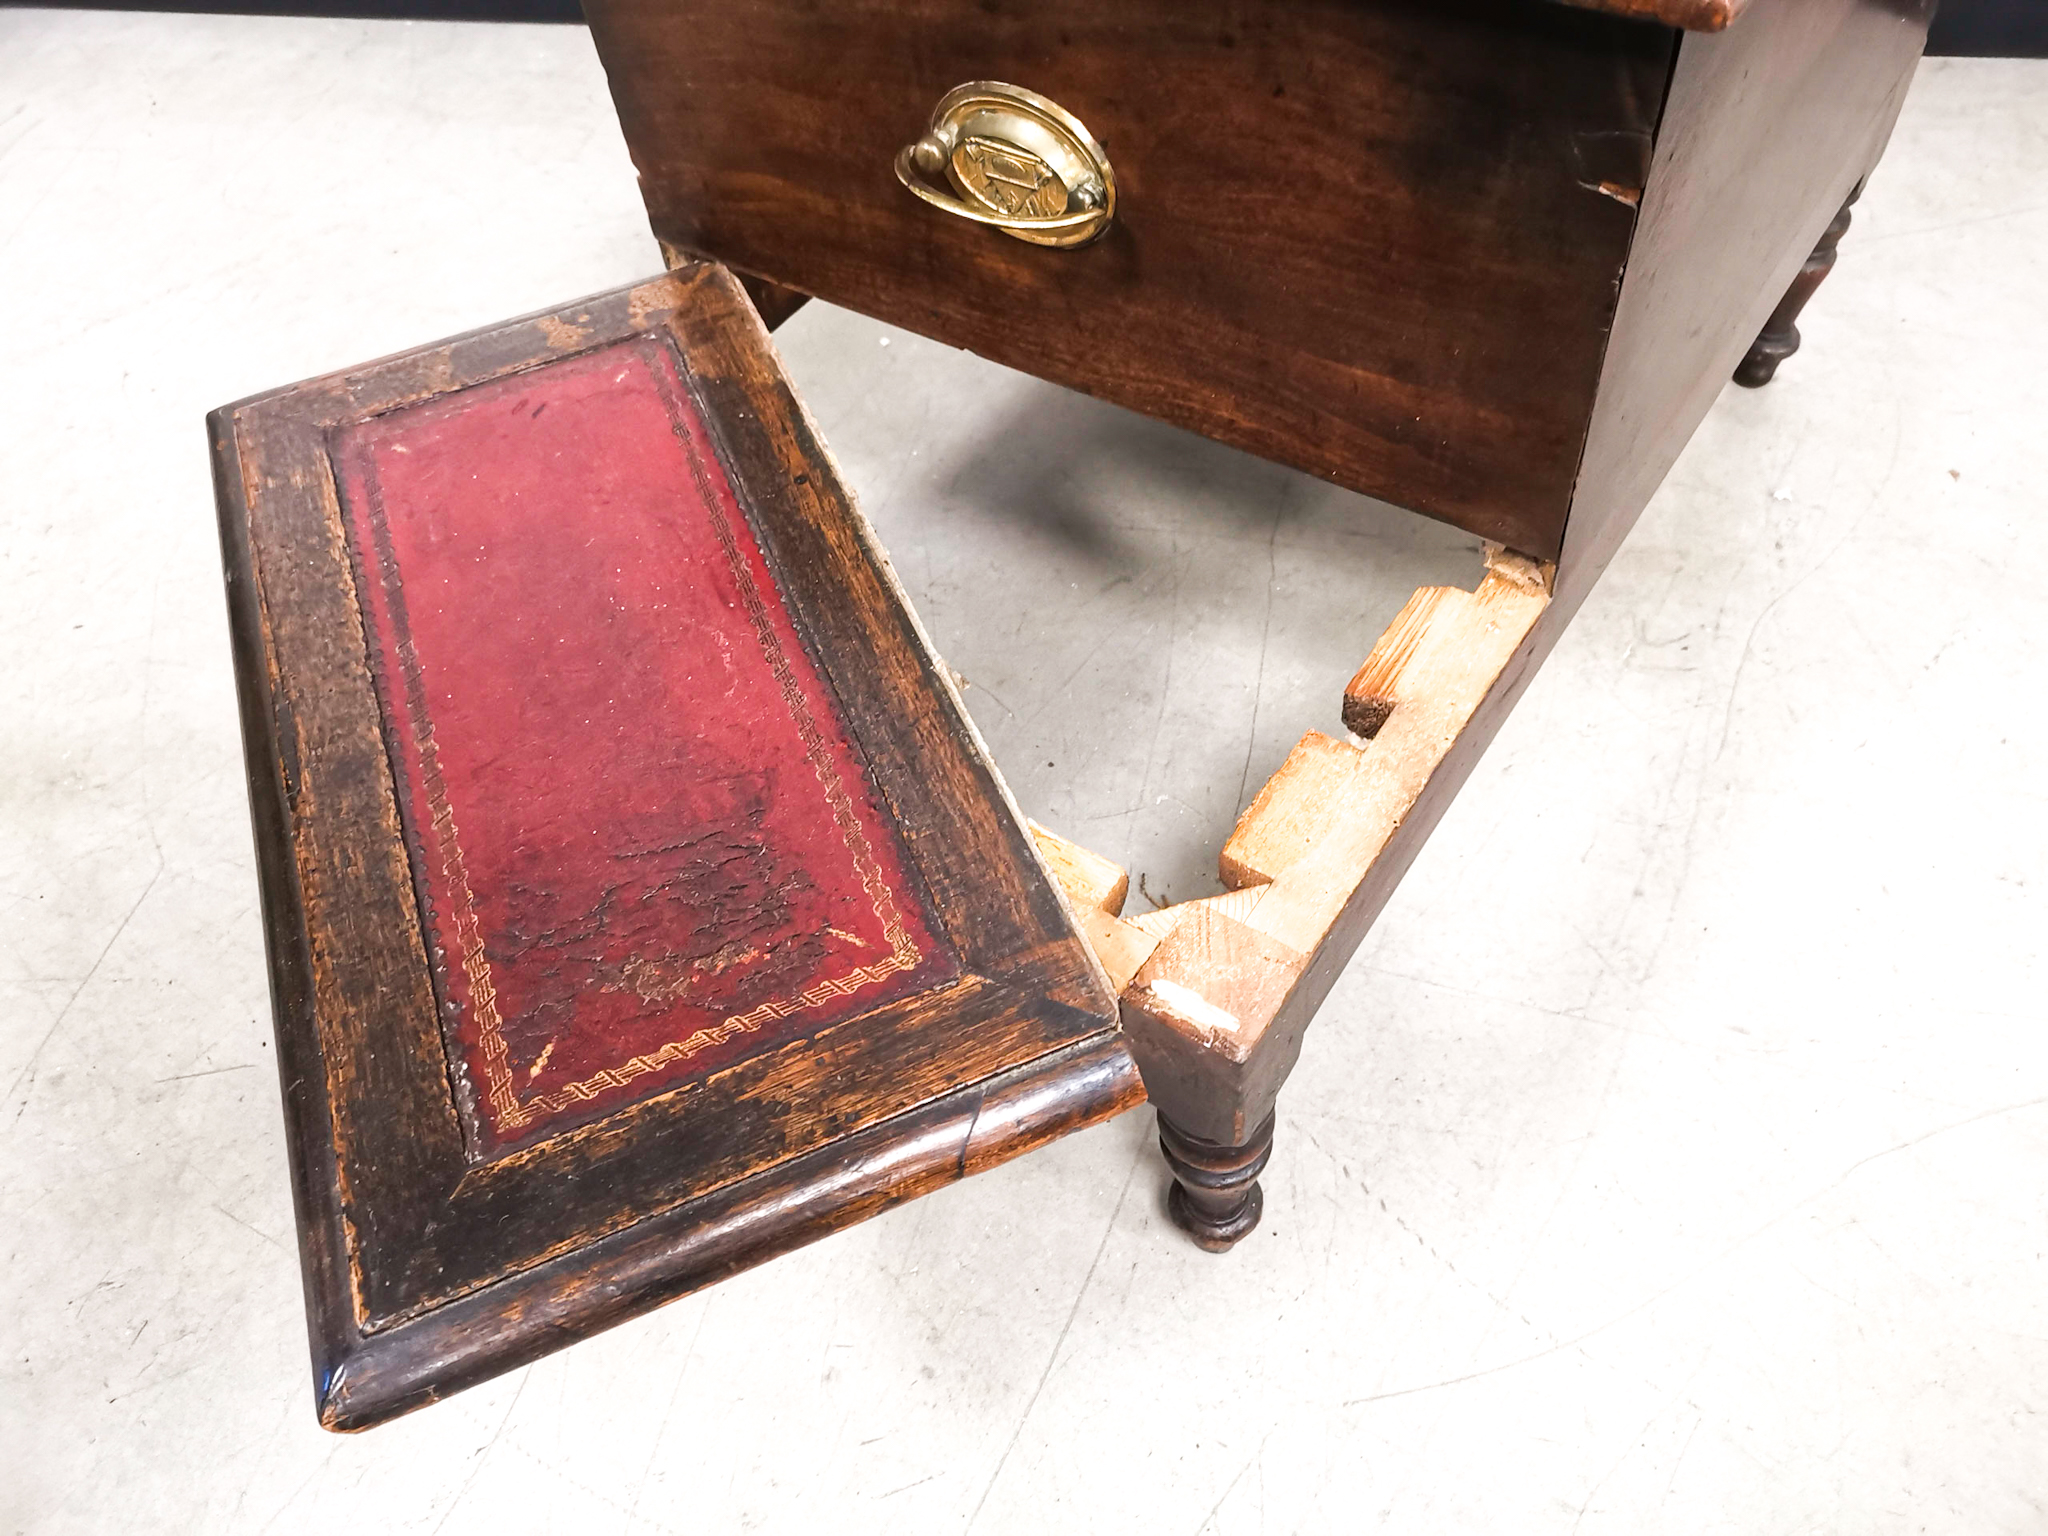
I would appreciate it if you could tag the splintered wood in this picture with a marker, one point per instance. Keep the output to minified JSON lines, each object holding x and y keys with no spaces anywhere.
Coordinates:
{"x":1214,"y":972}
{"x":1369,"y":697}
{"x":1439,"y":669}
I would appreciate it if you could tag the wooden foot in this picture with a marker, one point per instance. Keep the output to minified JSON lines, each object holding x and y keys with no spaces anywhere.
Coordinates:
{"x":1216,"y":1197}
{"x":1780,"y":336}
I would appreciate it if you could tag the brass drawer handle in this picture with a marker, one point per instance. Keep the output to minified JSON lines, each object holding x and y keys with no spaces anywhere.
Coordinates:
{"x":1019,"y":162}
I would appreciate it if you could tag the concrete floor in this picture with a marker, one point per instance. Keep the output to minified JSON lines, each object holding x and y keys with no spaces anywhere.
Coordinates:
{"x":1671,"y":1158}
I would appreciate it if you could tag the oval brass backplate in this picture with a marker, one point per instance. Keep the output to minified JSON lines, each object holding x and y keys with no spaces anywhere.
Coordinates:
{"x":1016,"y":161}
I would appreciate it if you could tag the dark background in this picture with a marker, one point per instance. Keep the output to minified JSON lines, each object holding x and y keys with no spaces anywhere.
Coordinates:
{"x":1991,"y":29}
{"x":1982,"y":28}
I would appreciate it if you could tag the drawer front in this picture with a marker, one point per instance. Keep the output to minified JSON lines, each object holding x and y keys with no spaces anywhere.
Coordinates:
{"x":1379,"y":241}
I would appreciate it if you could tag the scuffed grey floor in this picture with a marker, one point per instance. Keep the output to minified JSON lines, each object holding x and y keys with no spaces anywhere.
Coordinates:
{"x":1672,"y":1157}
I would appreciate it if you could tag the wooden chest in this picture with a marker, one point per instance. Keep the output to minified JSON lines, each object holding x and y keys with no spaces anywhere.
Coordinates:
{"x":640,"y":900}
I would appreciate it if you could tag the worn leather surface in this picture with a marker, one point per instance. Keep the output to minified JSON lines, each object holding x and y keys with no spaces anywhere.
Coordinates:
{"x":643,"y":843}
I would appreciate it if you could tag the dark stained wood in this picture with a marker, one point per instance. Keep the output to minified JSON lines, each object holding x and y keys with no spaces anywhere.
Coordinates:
{"x":1216,"y":1198}
{"x":1385,"y":245}
{"x":1378,"y":241}
{"x":400,"y":1220}
{"x":1209,"y":1068}
{"x":1779,"y":338}
{"x":1768,"y":129}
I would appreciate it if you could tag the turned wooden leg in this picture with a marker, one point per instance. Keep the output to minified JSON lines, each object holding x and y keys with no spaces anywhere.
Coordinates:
{"x":1780,"y":337}
{"x":1216,"y":1197}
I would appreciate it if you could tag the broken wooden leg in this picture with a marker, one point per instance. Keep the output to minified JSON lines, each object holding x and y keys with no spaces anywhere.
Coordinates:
{"x":1780,"y":337}
{"x":1194,"y":1017}
{"x":1217,"y":993}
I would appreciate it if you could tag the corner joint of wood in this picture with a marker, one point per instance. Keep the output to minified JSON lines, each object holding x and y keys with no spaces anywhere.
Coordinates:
{"x":1213,"y":985}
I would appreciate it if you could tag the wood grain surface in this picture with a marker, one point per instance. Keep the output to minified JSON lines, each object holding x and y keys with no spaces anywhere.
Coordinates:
{"x":400,"y":1218}
{"x":1768,"y":126}
{"x":1380,"y":242}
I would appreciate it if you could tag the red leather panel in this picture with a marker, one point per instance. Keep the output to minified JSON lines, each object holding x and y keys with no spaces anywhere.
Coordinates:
{"x":644,"y":844}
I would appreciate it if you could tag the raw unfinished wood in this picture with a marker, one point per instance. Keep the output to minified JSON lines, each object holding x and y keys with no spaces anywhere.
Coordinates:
{"x":1293,"y":811}
{"x":1233,"y":904}
{"x":1089,"y":879}
{"x":1121,"y":947}
{"x":1313,"y":831}
{"x":1208,"y":1013}
{"x":1213,"y":982}
{"x":1095,"y":888}
{"x":1443,"y":671}
{"x":1369,"y":696}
